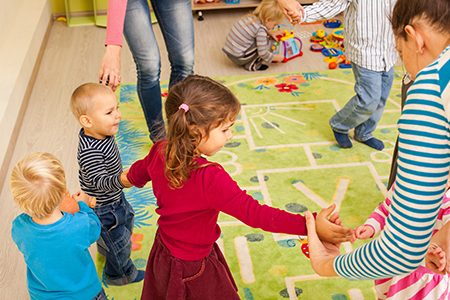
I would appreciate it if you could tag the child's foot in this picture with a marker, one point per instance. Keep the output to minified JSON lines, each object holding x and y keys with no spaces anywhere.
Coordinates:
{"x":262,"y":67}
{"x":374,"y":143}
{"x":140,"y":276}
{"x":342,"y":139}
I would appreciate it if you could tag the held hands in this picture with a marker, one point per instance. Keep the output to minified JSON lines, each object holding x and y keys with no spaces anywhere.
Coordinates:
{"x":124,"y":179}
{"x":321,"y":254}
{"x":435,"y":260}
{"x":109,"y":73}
{"x":438,"y":255}
{"x":292,"y":10}
{"x":329,"y":227}
{"x":82,"y":196}
{"x":364,"y":232}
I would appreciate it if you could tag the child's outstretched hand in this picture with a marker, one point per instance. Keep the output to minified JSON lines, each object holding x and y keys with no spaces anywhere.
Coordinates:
{"x":364,"y":232}
{"x":435,"y":259}
{"x":82,"y":196}
{"x":329,"y":227}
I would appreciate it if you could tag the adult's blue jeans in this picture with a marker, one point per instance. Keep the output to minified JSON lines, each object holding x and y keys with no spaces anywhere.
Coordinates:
{"x":364,"y":110}
{"x":176,"y":23}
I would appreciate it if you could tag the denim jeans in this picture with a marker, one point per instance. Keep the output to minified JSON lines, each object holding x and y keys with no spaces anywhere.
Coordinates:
{"x":115,"y":241}
{"x":176,"y":23}
{"x":101,"y":296}
{"x":363,"y":111}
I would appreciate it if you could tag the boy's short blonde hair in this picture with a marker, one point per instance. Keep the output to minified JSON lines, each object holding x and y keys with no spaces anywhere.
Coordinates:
{"x":38,"y":184}
{"x":269,"y":9}
{"x":81,"y":100}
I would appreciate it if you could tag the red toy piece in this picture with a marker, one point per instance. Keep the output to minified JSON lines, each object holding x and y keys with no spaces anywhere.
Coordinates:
{"x":305,"y":248}
{"x":69,"y":205}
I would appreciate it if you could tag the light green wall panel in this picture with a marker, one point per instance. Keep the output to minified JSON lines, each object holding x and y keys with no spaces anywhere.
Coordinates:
{"x":78,"y":5}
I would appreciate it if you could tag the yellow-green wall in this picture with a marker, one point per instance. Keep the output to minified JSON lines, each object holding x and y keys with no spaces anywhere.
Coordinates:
{"x":58,"y":6}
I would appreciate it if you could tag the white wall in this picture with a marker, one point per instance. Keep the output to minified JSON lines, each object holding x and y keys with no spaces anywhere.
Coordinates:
{"x":23,"y":24}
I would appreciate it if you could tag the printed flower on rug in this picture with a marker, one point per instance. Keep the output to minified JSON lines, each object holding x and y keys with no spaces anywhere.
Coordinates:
{"x":264,"y":83}
{"x":286,"y":88}
{"x":267,"y":81}
{"x":295,"y":79}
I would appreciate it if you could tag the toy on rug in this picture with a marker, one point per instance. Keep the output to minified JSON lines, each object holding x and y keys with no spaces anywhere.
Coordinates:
{"x":289,"y":45}
{"x":70,"y":205}
{"x":332,"y":23}
{"x":331,"y":45}
{"x":304,"y":246}
{"x":318,"y":36}
{"x":341,"y":61}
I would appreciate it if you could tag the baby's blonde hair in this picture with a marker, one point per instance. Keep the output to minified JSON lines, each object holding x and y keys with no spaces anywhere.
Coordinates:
{"x":38,"y":184}
{"x":269,"y":9}
{"x":81,"y":100}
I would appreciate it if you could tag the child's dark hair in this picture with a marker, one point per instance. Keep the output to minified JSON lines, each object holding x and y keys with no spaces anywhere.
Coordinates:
{"x":435,"y":12}
{"x":207,"y":105}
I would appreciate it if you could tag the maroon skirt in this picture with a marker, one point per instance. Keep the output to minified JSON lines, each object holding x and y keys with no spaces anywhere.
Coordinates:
{"x":171,"y":278}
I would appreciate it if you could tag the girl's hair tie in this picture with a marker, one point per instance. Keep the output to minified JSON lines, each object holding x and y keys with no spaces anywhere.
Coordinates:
{"x":184,"y":107}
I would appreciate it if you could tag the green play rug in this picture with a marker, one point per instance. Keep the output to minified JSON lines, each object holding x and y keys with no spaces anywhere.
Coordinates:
{"x":283,"y":153}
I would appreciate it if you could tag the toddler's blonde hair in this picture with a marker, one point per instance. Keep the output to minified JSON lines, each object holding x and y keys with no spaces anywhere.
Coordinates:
{"x":269,"y":9}
{"x":81,"y":100}
{"x":38,"y":184}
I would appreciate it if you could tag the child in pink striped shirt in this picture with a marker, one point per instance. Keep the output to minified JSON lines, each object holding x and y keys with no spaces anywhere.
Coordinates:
{"x":421,"y":284}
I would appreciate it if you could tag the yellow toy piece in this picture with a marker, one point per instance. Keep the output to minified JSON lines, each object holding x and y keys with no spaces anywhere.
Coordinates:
{"x":320,"y":34}
{"x":330,"y":59}
{"x":286,"y":35}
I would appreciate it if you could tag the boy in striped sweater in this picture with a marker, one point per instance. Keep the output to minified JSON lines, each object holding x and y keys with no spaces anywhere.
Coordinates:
{"x":95,"y":107}
{"x":249,"y":42}
{"x":423,"y":283}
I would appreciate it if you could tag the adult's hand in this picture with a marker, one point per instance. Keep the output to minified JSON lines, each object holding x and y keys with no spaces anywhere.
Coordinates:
{"x":109,"y":73}
{"x":321,"y":254}
{"x":293,"y":10}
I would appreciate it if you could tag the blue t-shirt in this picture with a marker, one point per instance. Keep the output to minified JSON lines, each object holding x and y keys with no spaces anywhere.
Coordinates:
{"x":59,"y":265}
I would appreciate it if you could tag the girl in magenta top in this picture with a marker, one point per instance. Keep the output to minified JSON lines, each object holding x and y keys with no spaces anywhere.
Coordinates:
{"x":185,"y":262}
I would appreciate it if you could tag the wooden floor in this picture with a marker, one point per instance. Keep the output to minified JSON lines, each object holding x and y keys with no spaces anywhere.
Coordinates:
{"x":72,"y":57}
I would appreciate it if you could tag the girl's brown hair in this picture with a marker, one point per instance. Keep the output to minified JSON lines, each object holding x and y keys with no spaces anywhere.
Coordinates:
{"x":435,"y":12}
{"x":210,"y":105}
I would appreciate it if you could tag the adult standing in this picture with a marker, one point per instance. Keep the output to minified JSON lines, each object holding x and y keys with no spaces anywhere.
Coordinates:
{"x":132,"y":18}
{"x":422,"y":29}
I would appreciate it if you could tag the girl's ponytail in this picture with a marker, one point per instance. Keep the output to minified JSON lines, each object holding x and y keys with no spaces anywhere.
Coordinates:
{"x":193,"y":107}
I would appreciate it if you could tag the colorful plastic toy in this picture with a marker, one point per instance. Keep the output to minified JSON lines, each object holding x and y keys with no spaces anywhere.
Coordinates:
{"x":341,"y":61}
{"x":338,"y":34}
{"x":289,"y":45}
{"x":318,"y":36}
{"x":331,"y":52}
{"x":71,"y":206}
{"x":332,"y":23}
{"x":305,"y":247}
{"x":316,"y":48}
